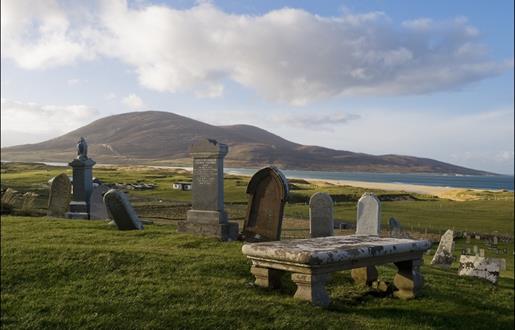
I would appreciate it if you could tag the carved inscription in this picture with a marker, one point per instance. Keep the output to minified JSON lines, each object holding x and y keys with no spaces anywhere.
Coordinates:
{"x":205,"y":170}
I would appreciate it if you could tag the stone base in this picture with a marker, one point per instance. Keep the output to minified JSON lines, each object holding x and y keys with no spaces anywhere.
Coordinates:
{"x":408,"y":279}
{"x":209,"y":223}
{"x":364,"y":275}
{"x":78,"y":207}
{"x":312,"y":288}
{"x":77,"y":215}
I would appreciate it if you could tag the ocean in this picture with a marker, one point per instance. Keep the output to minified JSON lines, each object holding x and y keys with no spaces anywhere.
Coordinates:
{"x":459,"y":181}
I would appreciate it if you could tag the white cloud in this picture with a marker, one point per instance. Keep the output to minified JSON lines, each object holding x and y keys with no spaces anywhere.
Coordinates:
{"x":73,"y":81}
{"x":28,"y":122}
{"x":133,"y":101}
{"x":314,"y":121}
{"x":286,"y":55}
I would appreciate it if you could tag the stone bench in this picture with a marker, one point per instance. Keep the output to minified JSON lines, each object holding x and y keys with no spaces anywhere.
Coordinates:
{"x":311,"y":261}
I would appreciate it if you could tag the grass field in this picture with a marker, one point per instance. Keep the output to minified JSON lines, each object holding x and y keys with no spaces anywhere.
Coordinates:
{"x":86,"y":274}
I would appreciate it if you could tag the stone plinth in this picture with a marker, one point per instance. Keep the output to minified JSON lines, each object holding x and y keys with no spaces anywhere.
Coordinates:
{"x":82,"y":187}
{"x":207,"y":216}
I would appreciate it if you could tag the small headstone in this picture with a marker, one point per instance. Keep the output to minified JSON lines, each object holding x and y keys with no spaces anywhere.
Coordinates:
{"x":28,"y":200}
{"x":467,"y":238}
{"x":497,"y":251}
{"x":121,"y":211}
{"x":97,"y":208}
{"x":321,"y":222}
{"x":476,"y":250}
{"x":469,"y":251}
{"x":501,"y":262}
{"x":478,"y":237}
{"x":369,"y":215}
{"x":59,"y":196}
{"x":481,"y":252}
{"x":479,"y":267}
{"x":505,"y":251}
{"x":395,"y":227}
{"x":9,"y":196}
{"x":444,"y":254}
{"x":495,"y":240}
{"x":464,"y":251}
{"x":267,"y":192}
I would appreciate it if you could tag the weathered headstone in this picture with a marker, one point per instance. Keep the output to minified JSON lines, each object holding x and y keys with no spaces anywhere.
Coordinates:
{"x":321,"y":222}
{"x":481,"y":252}
{"x":267,"y":192}
{"x":476,"y":250}
{"x":467,"y":239}
{"x":82,"y":167}
{"x":469,"y":251}
{"x":478,"y":237}
{"x":10,"y":196}
{"x":444,"y":254}
{"x":121,"y":211}
{"x":59,"y":196}
{"x":501,"y":262}
{"x":395,"y":227}
{"x":368,"y":223}
{"x":207,"y":215}
{"x":97,"y":208}
{"x":28,"y":201}
{"x":369,"y":215}
{"x":479,"y":267}
{"x":495,"y":240}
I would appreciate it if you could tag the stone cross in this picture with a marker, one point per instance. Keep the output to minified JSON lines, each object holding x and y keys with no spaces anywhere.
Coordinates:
{"x":59,"y":196}
{"x":321,"y":221}
{"x":444,"y":254}
{"x":395,"y":227}
{"x":369,"y":215}
{"x":121,"y":211}
{"x":82,"y":167}
{"x":207,"y":216}
{"x":267,"y":193}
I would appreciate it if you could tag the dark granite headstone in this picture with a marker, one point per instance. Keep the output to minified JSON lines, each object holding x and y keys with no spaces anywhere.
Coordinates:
{"x":267,"y":192}
{"x":59,"y":196}
{"x":121,"y":211}
{"x":82,"y":167}
{"x":207,"y":216}
{"x":97,"y":208}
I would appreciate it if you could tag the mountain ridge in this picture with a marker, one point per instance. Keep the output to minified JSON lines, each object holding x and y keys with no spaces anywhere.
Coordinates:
{"x":158,"y":137}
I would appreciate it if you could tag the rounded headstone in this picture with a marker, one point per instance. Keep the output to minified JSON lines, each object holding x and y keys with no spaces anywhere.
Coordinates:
{"x":59,"y":196}
{"x":321,"y":222}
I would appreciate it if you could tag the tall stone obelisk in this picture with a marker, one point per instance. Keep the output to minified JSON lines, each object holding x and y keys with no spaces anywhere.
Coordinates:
{"x":82,"y":182}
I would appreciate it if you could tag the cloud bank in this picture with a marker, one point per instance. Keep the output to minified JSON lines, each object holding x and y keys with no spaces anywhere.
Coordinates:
{"x":286,"y":55}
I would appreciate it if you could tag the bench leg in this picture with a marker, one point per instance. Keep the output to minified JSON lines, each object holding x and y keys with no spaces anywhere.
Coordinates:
{"x":267,"y":277}
{"x":312,"y":288}
{"x":408,"y":279}
{"x":364,"y":275}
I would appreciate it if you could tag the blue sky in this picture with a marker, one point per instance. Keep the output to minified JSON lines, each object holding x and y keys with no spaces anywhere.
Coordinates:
{"x":430,"y":79}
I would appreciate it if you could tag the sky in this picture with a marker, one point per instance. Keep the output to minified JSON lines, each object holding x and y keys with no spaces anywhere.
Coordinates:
{"x":431,"y":79}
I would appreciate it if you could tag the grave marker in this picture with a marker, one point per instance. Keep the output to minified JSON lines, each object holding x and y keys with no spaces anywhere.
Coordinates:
{"x":395,"y":227}
{"x":97,"y":208}
{"x":369,"y":215}
{"x":479,"y":267}
{"x":444,"y":254}
{"x":59,"y":196}
{"x":321,"y":221}
{"x":121,"y":211}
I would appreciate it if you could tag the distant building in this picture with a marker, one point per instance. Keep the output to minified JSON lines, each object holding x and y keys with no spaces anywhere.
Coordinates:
{"x":181,"y":185}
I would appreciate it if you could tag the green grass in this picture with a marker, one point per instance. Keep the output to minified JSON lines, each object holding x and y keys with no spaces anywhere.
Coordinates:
{"x":86,"y":274}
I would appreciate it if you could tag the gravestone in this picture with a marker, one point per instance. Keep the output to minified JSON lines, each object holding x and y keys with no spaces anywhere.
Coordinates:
{"x":476,"y":250}
{"x":395,"y":227}
{"x":479,"y":267}
{"x":321,"y":222}
{"x":120,"y":210}
{"x":467,"y":238}
{"x":369,"y":215}
{"x":478,"y":237}
{"x":82,"y":168}
{"x":481,"y":252}
{"x":501,"y":262}
{"x":444,"y":254}
{"x":267,"y":193}
{"x":469,"y":251}
{"x":10,"y":196}
{"x":207,"y":215}
{"x":97,"y":208}
{"x":368,"y":223}
{"x":59,"y":196}
{"x":28,"y":201}
{"x":495,"y":240}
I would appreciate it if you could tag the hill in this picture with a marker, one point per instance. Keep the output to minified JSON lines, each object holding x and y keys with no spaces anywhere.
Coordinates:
{"x":155,"y":137}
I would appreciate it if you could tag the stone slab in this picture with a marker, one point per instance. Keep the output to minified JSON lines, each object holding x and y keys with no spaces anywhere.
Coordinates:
{"x":481,"y":267}
{"x":335,"y":249}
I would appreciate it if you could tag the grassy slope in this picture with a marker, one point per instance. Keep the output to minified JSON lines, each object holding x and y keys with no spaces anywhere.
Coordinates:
{"x":71,"y":274}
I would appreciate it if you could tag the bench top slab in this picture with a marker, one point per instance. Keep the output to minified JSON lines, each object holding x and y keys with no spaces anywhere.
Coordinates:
{"x":333,"y":249}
